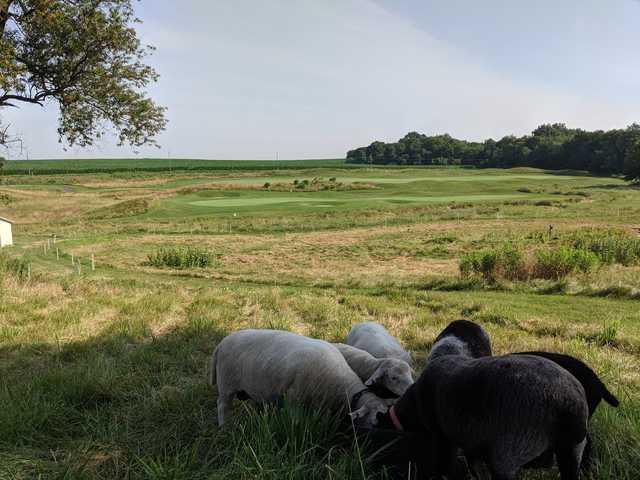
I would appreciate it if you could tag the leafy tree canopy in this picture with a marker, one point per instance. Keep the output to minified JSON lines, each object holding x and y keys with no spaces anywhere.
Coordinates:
{"x":632,"y":163}
{"x":550,"y":146}
{"x":85,"y":56}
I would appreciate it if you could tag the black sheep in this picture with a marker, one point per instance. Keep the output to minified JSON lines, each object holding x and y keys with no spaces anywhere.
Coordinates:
{"x":594,"y":390}
{"x":504,"y":410}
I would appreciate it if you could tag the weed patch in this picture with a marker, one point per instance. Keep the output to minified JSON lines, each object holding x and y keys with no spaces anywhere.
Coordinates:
{"x":189,"y":257}
{"x":506,"y":262}
{"x":16,"y":267}
{"x":609,"y":246}
{"x":557,"y":263}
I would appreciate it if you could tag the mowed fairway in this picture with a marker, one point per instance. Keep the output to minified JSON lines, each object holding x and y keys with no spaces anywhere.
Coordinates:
{"x":103,"y":373}
{"x":400,"y":187}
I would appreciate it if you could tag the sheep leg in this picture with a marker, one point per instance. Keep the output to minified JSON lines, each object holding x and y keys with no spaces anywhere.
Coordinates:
{"x":224,"y":407}
{"x":569,"y":459}
{"x":586,"y":454}
{"x":449,"y":464}
{"x":502,"y":476}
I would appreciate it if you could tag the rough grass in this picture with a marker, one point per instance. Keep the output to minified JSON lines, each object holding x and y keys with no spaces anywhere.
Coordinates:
{"x":103,"y":374}
{"x":127,"y":208}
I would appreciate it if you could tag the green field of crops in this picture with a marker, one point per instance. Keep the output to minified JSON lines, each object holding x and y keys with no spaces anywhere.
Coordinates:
{"x":43,"y":167}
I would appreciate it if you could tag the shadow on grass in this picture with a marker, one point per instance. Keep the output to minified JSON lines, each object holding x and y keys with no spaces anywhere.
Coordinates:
{"x":113,"y":407}
{"x":93,"y":408}
{"x":116,"y":407}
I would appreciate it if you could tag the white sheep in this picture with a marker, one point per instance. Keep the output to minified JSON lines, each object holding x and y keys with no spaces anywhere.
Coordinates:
{"x":375,"y":339}
{"x":379,"y":374}
{"x":266,"y":365}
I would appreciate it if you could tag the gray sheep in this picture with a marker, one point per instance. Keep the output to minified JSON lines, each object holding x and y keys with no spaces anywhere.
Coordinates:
{"x":379,"y":374}
{"x":266,"y":365}
{"x":375,"y":339}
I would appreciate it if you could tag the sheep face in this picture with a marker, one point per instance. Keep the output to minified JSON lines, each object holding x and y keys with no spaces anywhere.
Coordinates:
{"x":392,"y":374}
{"x":368,"y":411}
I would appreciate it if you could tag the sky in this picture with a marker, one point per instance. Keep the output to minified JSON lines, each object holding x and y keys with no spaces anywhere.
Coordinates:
{"x":260,"y":79}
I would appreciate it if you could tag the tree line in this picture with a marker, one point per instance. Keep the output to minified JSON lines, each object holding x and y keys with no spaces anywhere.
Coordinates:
{"x":550,"y":146}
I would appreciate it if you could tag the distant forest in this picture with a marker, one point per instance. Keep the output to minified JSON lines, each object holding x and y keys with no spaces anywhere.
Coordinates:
{"x":551,"y":146}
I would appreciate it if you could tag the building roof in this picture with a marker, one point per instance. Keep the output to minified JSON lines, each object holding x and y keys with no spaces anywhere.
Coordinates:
{"x":2,"y":219}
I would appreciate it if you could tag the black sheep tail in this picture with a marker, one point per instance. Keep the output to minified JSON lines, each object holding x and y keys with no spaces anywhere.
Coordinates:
{"x":609,"y":397}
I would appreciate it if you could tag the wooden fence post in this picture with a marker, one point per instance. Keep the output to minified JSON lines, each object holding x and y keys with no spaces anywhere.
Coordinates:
{"x":93,"y":262}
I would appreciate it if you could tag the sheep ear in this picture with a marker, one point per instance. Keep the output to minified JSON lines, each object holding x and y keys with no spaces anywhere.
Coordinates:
{"x":375,"y":378}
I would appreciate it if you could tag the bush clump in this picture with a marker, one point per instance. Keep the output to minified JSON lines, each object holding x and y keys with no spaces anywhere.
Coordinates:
{"x":558,"y":263}
{"x":16,"y":267}
{"x":509,"y":263}
{"x":178,"y":257}
{"x":506,"y":262}
{"x":609,"y":246}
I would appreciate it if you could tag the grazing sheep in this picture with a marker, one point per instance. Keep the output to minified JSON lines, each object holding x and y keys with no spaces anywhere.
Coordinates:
{"x":386,"y":377}
{"x":268,"y":364}
{"x":504,"y":410}
{"x":375,"y":339}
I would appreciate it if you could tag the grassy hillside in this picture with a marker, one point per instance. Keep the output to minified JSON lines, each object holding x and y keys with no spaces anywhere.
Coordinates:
{"x":103,"y":373}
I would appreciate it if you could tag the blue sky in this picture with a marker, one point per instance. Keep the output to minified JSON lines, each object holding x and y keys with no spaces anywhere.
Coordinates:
{"x":314,"y":78}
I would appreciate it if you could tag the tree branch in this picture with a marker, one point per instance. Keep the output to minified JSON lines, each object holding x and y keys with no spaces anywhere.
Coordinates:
{"x":37,"y":99}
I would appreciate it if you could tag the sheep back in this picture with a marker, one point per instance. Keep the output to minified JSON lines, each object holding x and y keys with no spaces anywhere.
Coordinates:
{"x":268,"y":363}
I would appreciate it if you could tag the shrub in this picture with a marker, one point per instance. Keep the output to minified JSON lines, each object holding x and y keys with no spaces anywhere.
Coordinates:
{"x":16,"y":267}
{"x":558,"y":263}
{"x":609,"y":246}
{"x":506,"y":262}
{"x":267,"y":185}
{"x":173,"y":257}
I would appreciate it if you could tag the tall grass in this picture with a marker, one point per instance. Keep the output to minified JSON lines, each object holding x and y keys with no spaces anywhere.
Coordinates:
{"x":292,"y":442}
{"x":178,"y":257}
{"x":505,"y":262}
{"x":610,"y":246}
{"x":557,"y":263}
{"x":510,"y":263}
{"x":16,"y":267}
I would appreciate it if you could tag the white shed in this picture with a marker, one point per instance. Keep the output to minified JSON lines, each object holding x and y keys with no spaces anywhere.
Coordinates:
{"x":6,"y":237}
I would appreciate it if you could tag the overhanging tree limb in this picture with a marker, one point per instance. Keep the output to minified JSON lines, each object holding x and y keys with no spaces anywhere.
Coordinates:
{"x":85,"y":56}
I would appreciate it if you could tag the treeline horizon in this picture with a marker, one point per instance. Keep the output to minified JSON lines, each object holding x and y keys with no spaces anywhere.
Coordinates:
{"x":550,"y":146}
